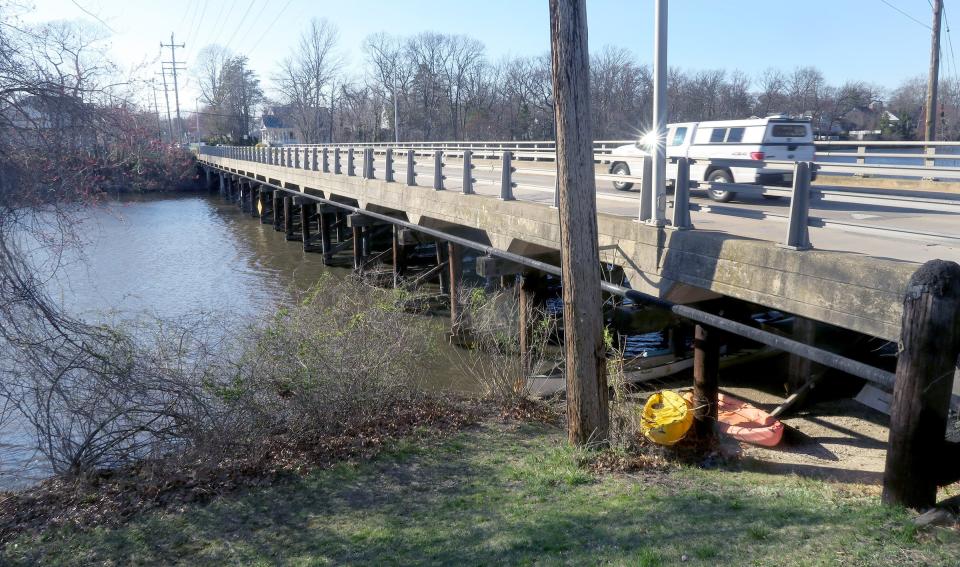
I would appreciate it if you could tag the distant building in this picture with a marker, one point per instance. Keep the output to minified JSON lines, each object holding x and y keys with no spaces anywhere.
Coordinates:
{"x":276,"y":128}
{"x":867,"y":119}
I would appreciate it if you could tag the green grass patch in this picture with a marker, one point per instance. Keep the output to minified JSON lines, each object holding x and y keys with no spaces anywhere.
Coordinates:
{"x":509,"y":495}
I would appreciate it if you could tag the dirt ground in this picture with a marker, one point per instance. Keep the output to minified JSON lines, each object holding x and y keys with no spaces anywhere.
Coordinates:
{"x":830,"y":436}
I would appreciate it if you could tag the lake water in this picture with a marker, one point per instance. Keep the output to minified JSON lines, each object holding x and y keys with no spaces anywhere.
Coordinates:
{"x":178,"y":257}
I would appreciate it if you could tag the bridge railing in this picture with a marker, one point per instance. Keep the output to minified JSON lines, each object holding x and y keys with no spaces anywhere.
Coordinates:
{"x":511,"y":175}
{"x":890,"y":159}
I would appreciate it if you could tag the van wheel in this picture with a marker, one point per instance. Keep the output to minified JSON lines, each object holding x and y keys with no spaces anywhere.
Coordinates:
{"x":621,"y":169}
{"x":719,"y":195}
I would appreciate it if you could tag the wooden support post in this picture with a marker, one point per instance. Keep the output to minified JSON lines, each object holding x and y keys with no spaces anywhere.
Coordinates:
{"x":588,"y":418}
{"x":706,"y":369}
{"x":455,"y":264}
{"x":357,"y":248}
{"x":800,"y":369}
{"x":306,"y":213}
{"x":288,"y":216}
{"x":277,"y":210}
{"x":929,"y":344}
{"x":399,"y":256}
{"x":255,"y":200}
{"x":526,"y":289}
{"x":440,"y":277}
{"x":264,"y":205}
{"x":324,"y":227}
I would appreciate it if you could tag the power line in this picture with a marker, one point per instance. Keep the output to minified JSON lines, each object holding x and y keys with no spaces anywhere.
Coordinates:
{"x":198,"y":25}
{"x":266,"y":31}
{"x":92,"y":15}
{"x":953,"y":58}
{"x":906,"y":14}
{"x":221,"y":27}
{"x":237,"y":28}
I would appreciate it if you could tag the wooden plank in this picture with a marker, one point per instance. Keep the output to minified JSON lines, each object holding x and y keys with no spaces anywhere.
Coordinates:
{"x":875,"y":398}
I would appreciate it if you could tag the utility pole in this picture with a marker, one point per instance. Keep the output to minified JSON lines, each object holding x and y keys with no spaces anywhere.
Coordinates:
{"x":196,"y":114}
{"x":176,"y":87}
{"x":933,"y":78}
{"x":166,"y":96}
{"x":156,"y":110}
{"x":588,"y":418}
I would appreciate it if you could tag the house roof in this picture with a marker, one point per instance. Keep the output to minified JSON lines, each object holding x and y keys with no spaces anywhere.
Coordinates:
{"x":272,"y":121}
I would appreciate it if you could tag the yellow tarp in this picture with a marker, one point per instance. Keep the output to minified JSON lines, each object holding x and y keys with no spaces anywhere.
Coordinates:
{"x":666,"y":417}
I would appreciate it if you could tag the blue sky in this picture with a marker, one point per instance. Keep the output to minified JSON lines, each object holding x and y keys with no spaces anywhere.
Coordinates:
{"x":864,"y":40}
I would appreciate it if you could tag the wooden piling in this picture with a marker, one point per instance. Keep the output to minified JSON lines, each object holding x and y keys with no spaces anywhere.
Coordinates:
{"x":440,"y":276}
{"x":399,"y":256}
{"x":929,"y":344}
{"x":277,"y":210}
{"x":706,"y":369}
{"x":454,"y":262}
{"x":526,"y":288}
{"x":288,"y":216}
{"x":357,"y":248}
{"x":306,"y":213}
{"x":800,"y":369}
{"x":323,"y":222}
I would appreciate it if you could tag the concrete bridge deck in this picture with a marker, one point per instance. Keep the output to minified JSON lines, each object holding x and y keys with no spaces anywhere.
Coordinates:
{"x":851,"y":280}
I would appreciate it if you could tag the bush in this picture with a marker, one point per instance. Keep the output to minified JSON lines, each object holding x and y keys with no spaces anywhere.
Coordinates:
{"x":489,"y":324}
{"x":342,"y":355}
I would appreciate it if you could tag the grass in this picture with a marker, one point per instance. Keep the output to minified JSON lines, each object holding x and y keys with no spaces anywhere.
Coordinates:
{"x":510,"y":494}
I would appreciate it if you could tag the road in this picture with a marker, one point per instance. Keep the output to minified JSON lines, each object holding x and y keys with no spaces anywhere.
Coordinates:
{"x":927,"y":229}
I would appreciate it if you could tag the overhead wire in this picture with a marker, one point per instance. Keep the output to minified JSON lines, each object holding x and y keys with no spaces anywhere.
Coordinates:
{"x":238,"y":26}
{"x":267,"y":30}
{"x":905,"y":14}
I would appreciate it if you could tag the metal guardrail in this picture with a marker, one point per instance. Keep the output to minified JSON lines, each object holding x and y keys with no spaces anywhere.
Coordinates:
{"x":342,"y":160}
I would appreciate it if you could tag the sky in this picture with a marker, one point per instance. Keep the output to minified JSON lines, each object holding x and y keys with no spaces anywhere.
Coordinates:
{"x":877,"y":41}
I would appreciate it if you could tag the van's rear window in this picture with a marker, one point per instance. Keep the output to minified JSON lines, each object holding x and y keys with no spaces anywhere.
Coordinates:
{"x":789,"y":131}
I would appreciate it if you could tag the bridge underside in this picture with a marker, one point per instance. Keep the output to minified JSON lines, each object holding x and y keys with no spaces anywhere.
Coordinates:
{"x":851,"y":291}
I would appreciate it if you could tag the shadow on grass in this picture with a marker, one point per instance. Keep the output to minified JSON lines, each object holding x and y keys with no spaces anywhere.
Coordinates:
{"x":492,"y":495}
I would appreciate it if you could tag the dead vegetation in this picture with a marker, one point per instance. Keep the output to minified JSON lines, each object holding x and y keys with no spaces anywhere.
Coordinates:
{"x":332,"y":377}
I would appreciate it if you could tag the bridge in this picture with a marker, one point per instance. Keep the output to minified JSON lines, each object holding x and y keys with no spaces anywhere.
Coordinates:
{"x":833,"y":253}
{"x":838,"y":254}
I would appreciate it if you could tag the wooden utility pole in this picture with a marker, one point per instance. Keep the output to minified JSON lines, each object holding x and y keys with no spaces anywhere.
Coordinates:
{"x":929,"y":345}
{"x":586,"y":372}
{"x":933,"y":77}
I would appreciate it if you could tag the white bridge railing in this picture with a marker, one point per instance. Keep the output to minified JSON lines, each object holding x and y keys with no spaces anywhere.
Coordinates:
{"x":399,"y":163}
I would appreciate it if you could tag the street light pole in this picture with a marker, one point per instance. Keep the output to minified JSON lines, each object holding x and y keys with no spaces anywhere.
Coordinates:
{"x":658,"y":194}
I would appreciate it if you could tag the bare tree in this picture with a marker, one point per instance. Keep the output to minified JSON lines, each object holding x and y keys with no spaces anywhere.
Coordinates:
{"x":306,"y":78}
{"x":391,"y":70}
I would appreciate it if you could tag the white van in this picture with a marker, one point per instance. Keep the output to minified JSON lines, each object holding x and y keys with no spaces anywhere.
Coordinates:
{"x":772,"y":138}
